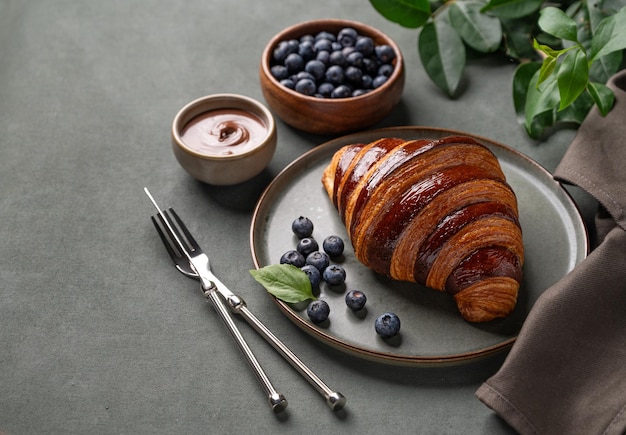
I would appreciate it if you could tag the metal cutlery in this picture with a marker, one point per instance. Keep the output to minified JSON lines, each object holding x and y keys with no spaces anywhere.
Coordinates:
{"x":191,"y":261}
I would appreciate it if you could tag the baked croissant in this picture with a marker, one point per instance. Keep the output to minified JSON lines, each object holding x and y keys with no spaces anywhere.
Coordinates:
{"x":437,"y":212}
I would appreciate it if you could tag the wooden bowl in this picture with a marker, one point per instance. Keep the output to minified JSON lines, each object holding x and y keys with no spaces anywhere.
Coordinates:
{"x":331,"y":116}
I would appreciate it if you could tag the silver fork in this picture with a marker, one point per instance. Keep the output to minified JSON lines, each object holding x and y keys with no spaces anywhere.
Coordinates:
{"x":192,"y":262}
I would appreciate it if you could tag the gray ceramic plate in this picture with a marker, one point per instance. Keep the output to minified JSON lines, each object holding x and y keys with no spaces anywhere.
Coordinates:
{"x":432,"y":330}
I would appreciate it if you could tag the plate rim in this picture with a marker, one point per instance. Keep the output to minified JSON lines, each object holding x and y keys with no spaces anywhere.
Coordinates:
{"x":386,"y":357}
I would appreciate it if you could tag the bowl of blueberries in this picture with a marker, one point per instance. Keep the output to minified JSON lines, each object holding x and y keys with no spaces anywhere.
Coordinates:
{"x":331,"y":76}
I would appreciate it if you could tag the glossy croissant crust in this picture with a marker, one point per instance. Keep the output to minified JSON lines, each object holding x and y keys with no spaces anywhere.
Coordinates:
{"x":437,"y":212}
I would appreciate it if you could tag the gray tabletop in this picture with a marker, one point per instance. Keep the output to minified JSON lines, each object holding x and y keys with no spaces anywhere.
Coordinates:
{"x":98,"y":333}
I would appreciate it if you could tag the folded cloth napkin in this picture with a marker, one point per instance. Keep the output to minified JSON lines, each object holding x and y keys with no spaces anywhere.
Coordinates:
{"x":566,"y":372}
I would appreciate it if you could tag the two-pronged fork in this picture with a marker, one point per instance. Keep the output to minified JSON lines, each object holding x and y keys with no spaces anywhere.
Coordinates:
{"x":193,"y":262}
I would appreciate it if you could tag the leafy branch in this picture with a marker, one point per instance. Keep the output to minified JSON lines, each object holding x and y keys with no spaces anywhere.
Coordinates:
{"x":566,"y":50}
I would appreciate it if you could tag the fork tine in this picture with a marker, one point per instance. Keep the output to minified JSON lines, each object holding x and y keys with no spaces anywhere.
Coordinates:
{"x":180,"y":260}
{"x":179,"y":222}
{"x":175,"y":254}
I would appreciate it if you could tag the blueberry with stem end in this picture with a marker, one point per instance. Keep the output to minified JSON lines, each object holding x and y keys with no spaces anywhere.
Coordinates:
{"x":302,"y":227}
{"x":387,"y":325}
{"x":318,"y":259}
{"x":307,"y":245}
{"x":334,"y":275}
{"x":293,"y":257}
{"x":318,"y":311}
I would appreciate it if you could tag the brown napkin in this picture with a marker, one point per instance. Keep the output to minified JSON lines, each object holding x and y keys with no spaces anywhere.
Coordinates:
{"x":566,"y":373}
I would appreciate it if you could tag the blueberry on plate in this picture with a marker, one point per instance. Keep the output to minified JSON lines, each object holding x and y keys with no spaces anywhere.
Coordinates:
{"x":318,"y":311}
{"x":302,"y":227}
{"x":315,"y":277}
{"x":293,"y":257}
{"x":333,"y":246}
{"x":318,"y":259}
{"x":334,"y":275}
{"x":355,"y":300}
{"x":387,"y":325}
{"x":307,"y":245}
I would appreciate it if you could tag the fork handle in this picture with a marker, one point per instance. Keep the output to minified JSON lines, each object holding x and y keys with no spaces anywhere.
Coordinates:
{"x":277,"y":401}
{"x":334,"y":399}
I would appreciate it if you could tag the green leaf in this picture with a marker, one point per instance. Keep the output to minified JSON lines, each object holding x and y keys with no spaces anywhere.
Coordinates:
{"x":549,"y":51}
{"x":407,"y":13}
{"x":521,"y":80}
{"x":602,"y":69}
{"x":603,"y":96}
{"x":541,"y":102}
{"x":572,"y":77}
{"x":577,"y":111}
{"x":285,"y":281}
{"x":610,"y":35}
{"x":517,"y":39}
{"x":547,"y":68}
{"x":511,"y":8}
{"x":480,"y":31}
{"x":554,"y":21}
{"x":442,"y":53}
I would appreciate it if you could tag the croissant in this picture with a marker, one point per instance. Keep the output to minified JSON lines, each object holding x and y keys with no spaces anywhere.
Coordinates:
{"x":436,"y":212}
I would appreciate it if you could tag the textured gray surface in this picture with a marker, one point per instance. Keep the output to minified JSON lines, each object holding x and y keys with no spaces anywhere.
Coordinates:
{"x":98,"y":333}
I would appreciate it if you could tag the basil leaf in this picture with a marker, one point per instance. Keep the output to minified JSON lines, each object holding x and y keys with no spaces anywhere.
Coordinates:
{"x":572,"y":77}
{"x":285,"y":281}
{"x":511,"y":8}
{"x":555,"y":22}
{"x":480,"y":31}
{"x":442,"y":53}
{"x":407,"y":13}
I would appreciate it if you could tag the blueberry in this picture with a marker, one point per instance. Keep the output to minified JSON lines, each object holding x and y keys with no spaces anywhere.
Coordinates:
{"x":347,"y":37}
{"x":341,"y":91}
{"x":315,"y":277}
{"x":293,"y":257}
{"x":379,"y":81}
{"x":334,"y":75}
{"x":365,"y":45}
{"x":370,"y":66}
{"x":318,"y":259}
{"x":306,"y":50}
{"x":323,"y":45}
{"x":355,"y":300}
{"x":294,"y":62}
{"x":385,"y":53}
{"x":347,"y":51}
{"x":282,"y":50}
{"x":279,"y":72}
{"x":334,"y":275}
{"x":359,"y":92}
{"x":324,"y":57}
{"x":325,"y":89}
{"x":306,"y":87}
{"x":387,"y":325}
{"x":367,"y":81}
{"x":354,"y":75}
{"x":337,"y":46}
{"x":333,"y":246}
{"x":325,"y":35}
{"x":318,"y":311}
{"x":385,"y":70}
{"x":316,"y":68}
{"x":288,"y":83}
{"x":355,"y":59}
{"x":309,"y":38}
{"x":302,"y":227}
{"x":307,"y":245}
{"x":337,"y":58}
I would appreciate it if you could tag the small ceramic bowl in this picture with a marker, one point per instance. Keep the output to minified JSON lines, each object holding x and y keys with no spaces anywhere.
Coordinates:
{"x":224,"y":139}
{"x":330,"y":116}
